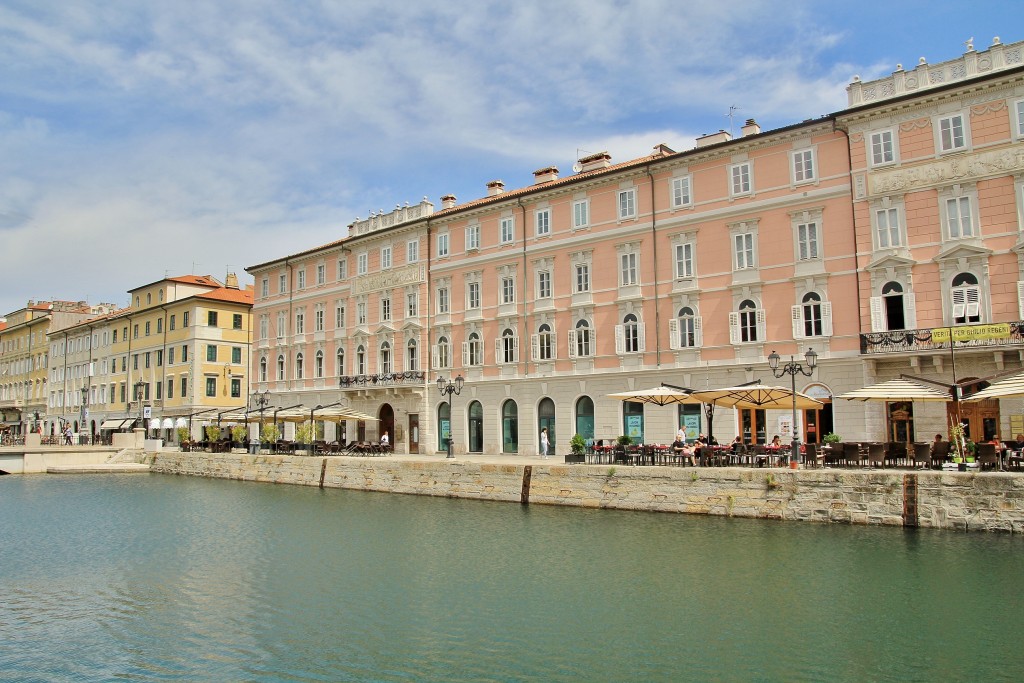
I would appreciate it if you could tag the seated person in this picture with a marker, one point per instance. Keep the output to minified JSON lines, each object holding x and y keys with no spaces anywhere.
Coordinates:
{"x":712,"y":441}
{"x":776,"y":442}
{"x":680,"y":447}
{"x":702,"y":440}
{"x":935,"y":444}
{"x":1018,"y":443}
{"x":737,"y":445}
{"x":384,"y":441}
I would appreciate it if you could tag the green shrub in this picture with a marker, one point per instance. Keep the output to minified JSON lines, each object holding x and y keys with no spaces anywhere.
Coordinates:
{"x":577,"y":444}
{"x":270,"y":433}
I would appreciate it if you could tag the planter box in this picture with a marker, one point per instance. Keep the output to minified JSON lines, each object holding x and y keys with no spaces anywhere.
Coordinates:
{"x":573,"y":458}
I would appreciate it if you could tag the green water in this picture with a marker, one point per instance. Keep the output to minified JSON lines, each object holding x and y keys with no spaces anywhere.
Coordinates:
{"x":162,"y":578}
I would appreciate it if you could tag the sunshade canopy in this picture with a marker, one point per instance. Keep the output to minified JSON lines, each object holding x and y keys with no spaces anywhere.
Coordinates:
{"x":338,"y":413}
{"x":661,"y":396}
{"x":756,"y":396}
{"x":1011,"y":387}
{"x":899,"y":389}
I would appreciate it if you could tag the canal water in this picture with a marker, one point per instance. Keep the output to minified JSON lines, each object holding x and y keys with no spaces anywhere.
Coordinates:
{"x":163,"y":578}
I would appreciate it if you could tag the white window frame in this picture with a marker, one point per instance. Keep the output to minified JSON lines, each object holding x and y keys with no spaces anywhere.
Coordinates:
{"x":744,"y":251}
{"x":385,"y":258}
{"x":412,"y":304}
{"x":966,"y":304}
{"x":800,"y":318}
{"x":385,"y":308}
{"x":621,"y":339}
{"x":628,"y":269}
{"x":803,"y":166}
{"x":473,"y":296}
{"x":442,"y":245}
{"x":443,"y":301}
{"x":945,"y":132}
{"x":339,"y":316}
{"x":321,"y":273}
{"x":282,"y":283}
{"x":544,"y":344}
{"x":808,"y":240}
{"x":682,"y":191}
{"x":741,"y":179}
{"x":760,"y":327}
{"x":952,"y":210}
{"x":876,"y":139}
{"x":626,"y":204}
{"x":318,"y":318}
{"x":580,"y":214}
{"x":581,"y":340}
{"x":300,"y":275}
{"x":342,"y":269}
{"x":507,"y":230}
{"x":265,"y":287}
{"x":542,"y":222}
{"x":473,"y":237}
{"x":582,"y":281}
{"x":684,"y":260}
{"x":361,"y":313}
{"x":885,"y":227}
{"x":544,"y":284}
{"x":682,"y":326}
{"x":412,"y":251}
{"x":362,"y":263}
{"x":508,"y":289}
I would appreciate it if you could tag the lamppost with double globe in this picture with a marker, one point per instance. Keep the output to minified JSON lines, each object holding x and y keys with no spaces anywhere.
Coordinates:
{"x":449,"y":387}
{"x":262,"y":400}
{"x":85,"y":412}
{"x":792,"y":368}
{"x":139,"y":386}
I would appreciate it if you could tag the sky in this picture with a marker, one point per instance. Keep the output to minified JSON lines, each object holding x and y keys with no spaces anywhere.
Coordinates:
{"x":144,"y":139}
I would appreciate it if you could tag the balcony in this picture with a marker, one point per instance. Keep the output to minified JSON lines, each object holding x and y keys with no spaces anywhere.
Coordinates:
{"x":991,"y":336}
{"x":382,"y":380}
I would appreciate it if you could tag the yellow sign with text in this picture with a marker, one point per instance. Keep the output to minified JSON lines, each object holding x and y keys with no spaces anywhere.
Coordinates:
{"x":967,"y":333}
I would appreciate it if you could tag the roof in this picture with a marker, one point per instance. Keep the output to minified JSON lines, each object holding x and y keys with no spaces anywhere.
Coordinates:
{"x":300,"y":254}
{"x":228,"y":295}
{"x":201,"y":280}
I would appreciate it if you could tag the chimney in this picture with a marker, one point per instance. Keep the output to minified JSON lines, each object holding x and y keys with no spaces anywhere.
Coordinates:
{"x":231,"y":281}
{"x":495,"y":187}
{"x":595,"y":162}
{"x":447,"y":201}
{"x":662,"y":150}
{"x":713,"y":138}
{"x":545,"y":175}
{"x":750,"y":128}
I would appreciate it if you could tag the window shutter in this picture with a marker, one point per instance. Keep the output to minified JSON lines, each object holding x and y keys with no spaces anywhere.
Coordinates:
{"x":641,"y":336}
{"x":499,"y":357}
{"x":593,"y":342}
{"x":465,"y":354}
{"x":515,"y":349}
{"x":435,"y":355}
{"x":674,"y":342}
{"x":762,"y":332}
{"x":877,"y":317}
{"x":1020,"y":300}
{"x":973,"y":296}
{"x":798,"y":321}
{"x":620,"y":340}
{"x":698,"y":331}
{"x":554,"y":345}
{"x":734,"y":328}
{"x":534,"y":347}
{"x":910,"y":310}
{"x":826,"y":318}
{"x":572,"y":343}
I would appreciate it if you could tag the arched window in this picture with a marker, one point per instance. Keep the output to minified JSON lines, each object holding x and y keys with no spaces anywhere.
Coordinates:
{"x":508,"y":346}
{"x":474,"y":349}
{"x":581,"y":342}
{"x":892,"y":298}
{"x":812,"y":315}
{"x":298,"y":366}
{"x":340,"y":360}
{"x":385,"y":358}
{"x":412,"y":360}
{"x":318,"y":368}
{"x":443,"y":353}
{"x":444,"y":425}
{"x":476,"y":427}
{"x":748,"y":321}
{"x":687,"y":328}
{"x":631,"y":333}
{"x":545,"y":343}
{"x":585,"y":417}
{"x":263,"y":369}
{"x":509,"y":427}
{"x":966,"y":299}
{"x":280,"y":368}
{"x":360,"y":360}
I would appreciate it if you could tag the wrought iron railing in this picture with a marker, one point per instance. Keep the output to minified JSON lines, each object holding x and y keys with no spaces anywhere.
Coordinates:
{"x":383,"y":379}
{"x":921,"y":340}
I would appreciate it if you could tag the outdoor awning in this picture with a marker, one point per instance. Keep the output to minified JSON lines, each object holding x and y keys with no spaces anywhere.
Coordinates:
{"x":759,"y":396}
{"x":337,"y":414}
{"x":1011,"y":387}
{"x":899,"y":389}
{"x":114,"y":424}
{"x":180,"y":422}
{"x":167,"y":423}
{"x":661,"y":396}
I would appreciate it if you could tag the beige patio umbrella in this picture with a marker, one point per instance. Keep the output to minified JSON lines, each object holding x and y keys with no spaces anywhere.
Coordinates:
{"x":661,"y":396}
{"x":900,"y":389}
{"x":337,"y":414}
{"x":760,"y":396}
{"x":1011,"y":387}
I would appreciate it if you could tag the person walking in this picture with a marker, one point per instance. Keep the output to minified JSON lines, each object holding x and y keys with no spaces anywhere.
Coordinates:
{"x":67,"y":435}
{"x":544,"y":443}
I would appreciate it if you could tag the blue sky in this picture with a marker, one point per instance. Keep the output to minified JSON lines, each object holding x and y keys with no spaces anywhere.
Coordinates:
{"x":139,"y":139}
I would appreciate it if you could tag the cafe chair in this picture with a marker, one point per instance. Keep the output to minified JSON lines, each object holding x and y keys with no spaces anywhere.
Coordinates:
{"x":922,"y":455}
{"x":987,"y":456}
{"x":876,"y":455}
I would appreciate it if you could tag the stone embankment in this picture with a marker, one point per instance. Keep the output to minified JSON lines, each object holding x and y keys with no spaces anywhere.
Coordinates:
{"x":992,"y":501}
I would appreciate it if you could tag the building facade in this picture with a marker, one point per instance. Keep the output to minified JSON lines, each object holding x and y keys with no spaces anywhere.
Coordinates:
{"x":854,"y":234}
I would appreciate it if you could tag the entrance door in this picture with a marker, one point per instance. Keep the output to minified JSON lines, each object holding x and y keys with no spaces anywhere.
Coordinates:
{"x":386,"y":423}
{"x":980,"y":417}
{"x":414,"y":433}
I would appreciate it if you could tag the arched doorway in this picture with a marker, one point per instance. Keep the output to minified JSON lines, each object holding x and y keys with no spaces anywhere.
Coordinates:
{"x":980,"y":418}
{"x":546,"y":418}
{"x":444,"y":426}
{"x":386,"y":423}
{"x":585,"y":417}
{"x":509,"y":427}
{"x":817,"y":422}
{"x":476,"y":427}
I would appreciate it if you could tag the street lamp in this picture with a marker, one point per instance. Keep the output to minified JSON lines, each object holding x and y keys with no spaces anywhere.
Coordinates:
{"x":792,"y":368}
{"x":139,"y":386}
{"x":262,"y":400}
{"x":448,"y":387}
{"x":85,"y":411}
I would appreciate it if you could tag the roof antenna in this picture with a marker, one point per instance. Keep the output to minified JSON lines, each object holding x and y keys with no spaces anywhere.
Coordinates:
{"x":732,"y":110}
{"x":577,"y":167}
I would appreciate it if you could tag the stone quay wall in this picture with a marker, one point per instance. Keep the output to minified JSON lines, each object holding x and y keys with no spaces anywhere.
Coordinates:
{"x":989,"y":501}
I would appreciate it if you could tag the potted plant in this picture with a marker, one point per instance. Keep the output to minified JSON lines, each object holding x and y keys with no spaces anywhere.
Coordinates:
{"x":303,"y":437}
{"x":239,"y":433}
{"x":578,"y":446}
{"x":963,"y":449}
{"x":832,"y":438}
{"x":212,"y":433}
{"x":184,"y":437}
{"x":269,"y":434}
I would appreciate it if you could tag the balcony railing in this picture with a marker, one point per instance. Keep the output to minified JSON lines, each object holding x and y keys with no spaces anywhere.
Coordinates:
{"x":384,"y":379}
{"x":963,"y":336}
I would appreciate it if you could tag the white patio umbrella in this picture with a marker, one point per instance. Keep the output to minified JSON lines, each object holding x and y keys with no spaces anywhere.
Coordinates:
{"x":661,"y":396}
{"x":900,"y":389}
{"x":1011,"y":387}
{"x":756,"y":396}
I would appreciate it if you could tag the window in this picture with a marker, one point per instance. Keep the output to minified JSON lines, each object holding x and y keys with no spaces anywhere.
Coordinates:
{"x":681,"y":191}
{"x":385,"y":258}
{"x":543,"y":222}
{"x":684,"y":261}
{"x":321,"y":274}
{"x":147,"y":358}
{"x":442,"y":353}
{"x":115,"y":331}
{"x":263,"y":369}
{"x":543,"y":343}
{"x":159,"y":357}
{"x":543,"y":284}
{"x":627,"y":204}
{"x":628,"y":335}
{"x":342,"y":269}
{"x":265,"y":287}
{"x":362,"y":264}
{"x":135,"y":331}
{"x":442,"y":244}
{"x":211,"y":386}
{"x":184,"y":319}
{"x":1018,"y":109}
{"x":580,"y":214}
{"x":958,"y":217}
{"x":474,"y":350}
{"x":211,"y":352}
{"x":236,"y":321}
{"x":146,"y":333}
{"x":412,"y":304}
{"x":807,"y":240}
{"x":812,"y":320}
{"x":473,"y":295}
{"x":184,"y":387}
{"x":627,"y":269}
{"x":385,"y":308}
{"x":951,"y":133}
{"x":385,"y":358}
{"x":211,"y":318}
{"x":300,"y":321}
{"x":318,"y":365}
{"x":301,"y":275}
{"x":442,"y":300}
{"x":746,"y":324}
{"x":360,"y":360}
{"x":412,"y":360}
{"x":361,"y":313}
{"x":887,"y":228}
{"x":580,"y":340}
{"x":282,"y":326}
{"x":412,"y":251}
{"x":282,"y":283}
{"x":236,"y":355}
{"x":236,"y":387}
{"x":582,"y":277}
{"x":299,"y":365}
{"x":318,"y":318}
{"x":170,"y":388}
{"x":743,"y":248}
{"x":740,"y":174}
{"x":966,"y":297}
{"x":507,"y":230}
{"x":159,"y":325}
{"x":184,"y":354}
{"x":882,"y":149}
{"x":508,"y":347}
{"x":687,"y":332}
{"x":339,"y":316}
{"x":508,"y":290}
{"x":803,"y":166}
{"x":170,"y":356}
{"x":280,"y":368}
{"x":473,"y":238}
{"x":340,"y":361}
